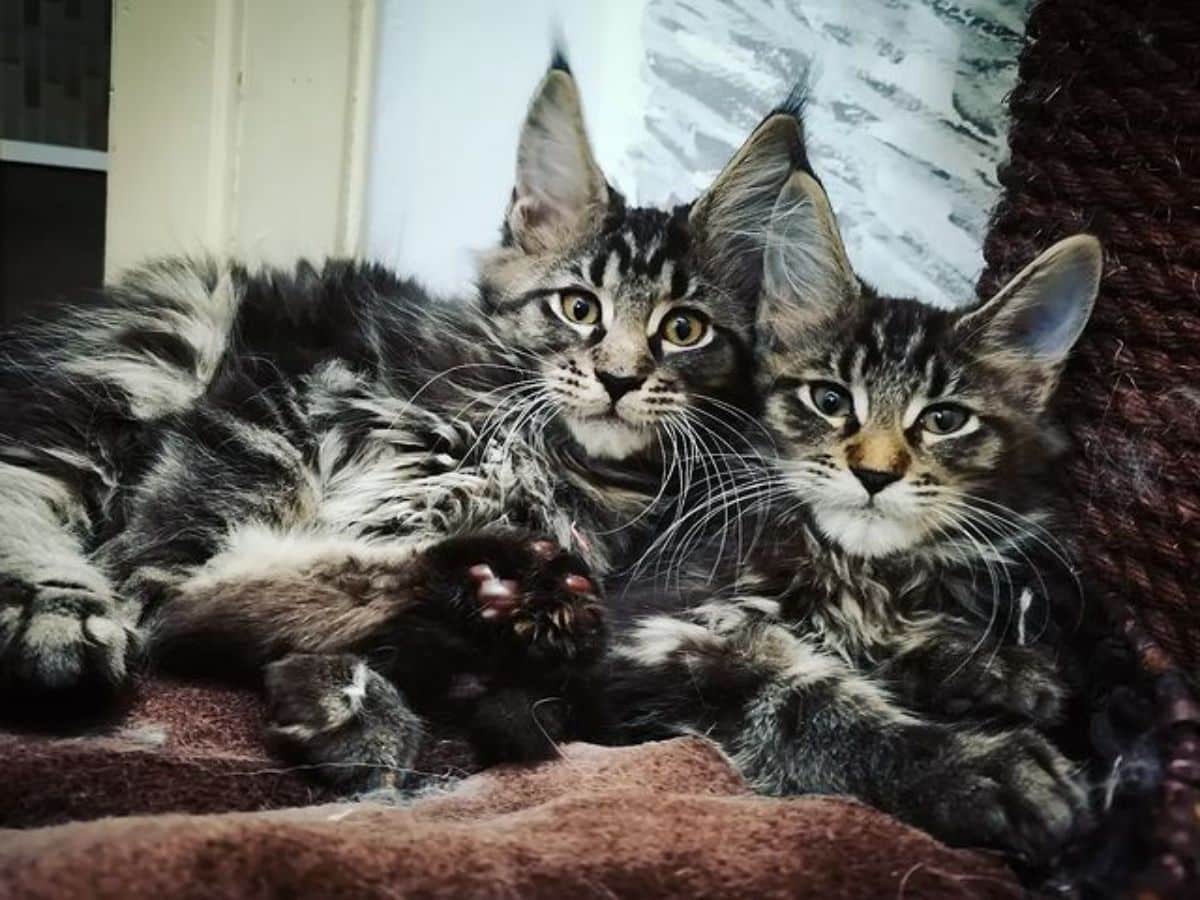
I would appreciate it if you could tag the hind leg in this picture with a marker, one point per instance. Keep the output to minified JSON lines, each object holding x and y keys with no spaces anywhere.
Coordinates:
{"x":334,"y":713}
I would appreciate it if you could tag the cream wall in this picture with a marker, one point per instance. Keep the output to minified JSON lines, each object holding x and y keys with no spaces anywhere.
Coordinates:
{"x":238,"y":127}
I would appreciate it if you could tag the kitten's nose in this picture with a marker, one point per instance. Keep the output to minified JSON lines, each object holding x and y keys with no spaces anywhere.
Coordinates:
{"x":620,"y":385}
{"x":874,"y":480}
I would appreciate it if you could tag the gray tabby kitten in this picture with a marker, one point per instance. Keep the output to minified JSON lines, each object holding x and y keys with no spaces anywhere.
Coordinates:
{"x":400,"y":504}
{"x":891,"y":632}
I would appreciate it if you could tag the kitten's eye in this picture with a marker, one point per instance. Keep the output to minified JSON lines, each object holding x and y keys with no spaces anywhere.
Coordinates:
{"x":578,"y":308}
{"x":944,"y":419}
{"x":684,"y":328}
{"x":831,"y":399}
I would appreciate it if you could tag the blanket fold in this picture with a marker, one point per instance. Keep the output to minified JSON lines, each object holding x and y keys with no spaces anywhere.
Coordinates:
{"x":668,"y":819}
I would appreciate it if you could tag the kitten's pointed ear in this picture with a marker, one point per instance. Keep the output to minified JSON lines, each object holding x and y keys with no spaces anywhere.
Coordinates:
{"x":729,"y":220}
{"x":807,"y":277}
{"x":1033,"y":322}
{"x":560,"y":192}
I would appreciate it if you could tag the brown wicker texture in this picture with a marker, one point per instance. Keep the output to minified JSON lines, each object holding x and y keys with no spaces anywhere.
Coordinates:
{"x":1106,"y":139}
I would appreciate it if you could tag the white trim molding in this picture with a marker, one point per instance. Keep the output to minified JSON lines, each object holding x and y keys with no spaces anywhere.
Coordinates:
{"x":239,"y":128}
{"x":53,"y":155}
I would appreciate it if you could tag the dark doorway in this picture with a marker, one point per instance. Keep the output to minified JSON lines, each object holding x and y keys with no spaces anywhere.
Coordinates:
{"x":53,"y":236}
{"x":54,"y":85}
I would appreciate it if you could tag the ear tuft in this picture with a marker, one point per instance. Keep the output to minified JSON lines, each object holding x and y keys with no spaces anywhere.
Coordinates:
{"x":560,"y":192}
{"x":558,"y":57}
{"x":793,"y":105}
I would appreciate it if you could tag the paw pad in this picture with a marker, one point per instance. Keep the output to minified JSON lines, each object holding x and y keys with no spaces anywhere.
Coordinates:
{"x":497,"y":596}
{"x":579,"y":584}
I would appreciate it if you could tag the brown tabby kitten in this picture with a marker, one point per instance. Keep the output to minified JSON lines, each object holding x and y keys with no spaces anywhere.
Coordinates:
{"x":890,"y":633}
{"x":397,"y":506}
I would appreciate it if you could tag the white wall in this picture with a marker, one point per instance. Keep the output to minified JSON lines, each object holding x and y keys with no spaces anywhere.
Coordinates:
{"x":452,"y":84}
{"x":906,"y":118}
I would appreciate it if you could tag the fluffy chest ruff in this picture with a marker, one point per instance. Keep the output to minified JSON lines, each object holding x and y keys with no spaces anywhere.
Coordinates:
{"x":422,"y":473}
{"x":861,"y":609}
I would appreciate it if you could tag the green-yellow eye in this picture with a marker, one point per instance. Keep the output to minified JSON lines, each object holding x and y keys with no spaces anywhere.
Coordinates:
{"x":684,"y":328}
{"x":579,"y":309}
{"x":946,"y":418}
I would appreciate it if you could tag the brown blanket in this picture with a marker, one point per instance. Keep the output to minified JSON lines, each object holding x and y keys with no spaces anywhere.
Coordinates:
{"x":667,"y":819}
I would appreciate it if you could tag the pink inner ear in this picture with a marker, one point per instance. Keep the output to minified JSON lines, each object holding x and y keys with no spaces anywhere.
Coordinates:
{"x":532,"y":213}
{"x":529,"y":219}
{"x":540,"y":223}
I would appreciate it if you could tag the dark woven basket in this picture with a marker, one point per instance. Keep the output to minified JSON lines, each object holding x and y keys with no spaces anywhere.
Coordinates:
{"x":1106,"y":139}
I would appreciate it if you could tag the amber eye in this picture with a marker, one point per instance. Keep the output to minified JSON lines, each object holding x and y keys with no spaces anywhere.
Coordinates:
{"x":945,"y":418}
{"x":831,"y":399}
{"x":684,"y":328}
{"x":579,"y":309}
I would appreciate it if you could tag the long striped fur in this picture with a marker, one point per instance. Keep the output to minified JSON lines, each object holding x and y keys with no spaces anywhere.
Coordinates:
{"x":896,"y":623}
{"x":236,"y":469}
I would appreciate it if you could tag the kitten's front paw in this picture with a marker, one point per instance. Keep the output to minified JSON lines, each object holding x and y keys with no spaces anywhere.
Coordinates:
{"x":960,"y":679}
{"x":1018,"y":682}
{"x":553,"y":605}
{"x":1010,"y":790}
{"x":63,"y":639}
{"x":531,"y":592}
{"x":336,"y":714}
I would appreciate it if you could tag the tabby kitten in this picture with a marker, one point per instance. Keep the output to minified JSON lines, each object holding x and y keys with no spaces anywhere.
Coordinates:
{"x":393,"y":500}
{"x":891,"y":634}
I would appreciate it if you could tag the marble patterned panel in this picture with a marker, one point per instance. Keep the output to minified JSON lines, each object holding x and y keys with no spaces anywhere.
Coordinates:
{"x":905,"y":116}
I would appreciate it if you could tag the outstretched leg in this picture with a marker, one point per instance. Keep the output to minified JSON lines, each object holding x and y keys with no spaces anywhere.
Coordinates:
{"x":496,"y":633}
{"x":797,"y":719}
{"x":79,"y":396}
{"x":946,"y":670}
{"x":270,"y":590}
{"x":350,"y":724}
{"x":237,"y":565}
{"x":62,"y":628}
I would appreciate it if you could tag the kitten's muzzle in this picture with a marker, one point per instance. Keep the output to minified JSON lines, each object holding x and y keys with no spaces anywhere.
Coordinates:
{"x":619,"y":385}
{"x":874,"y":480}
